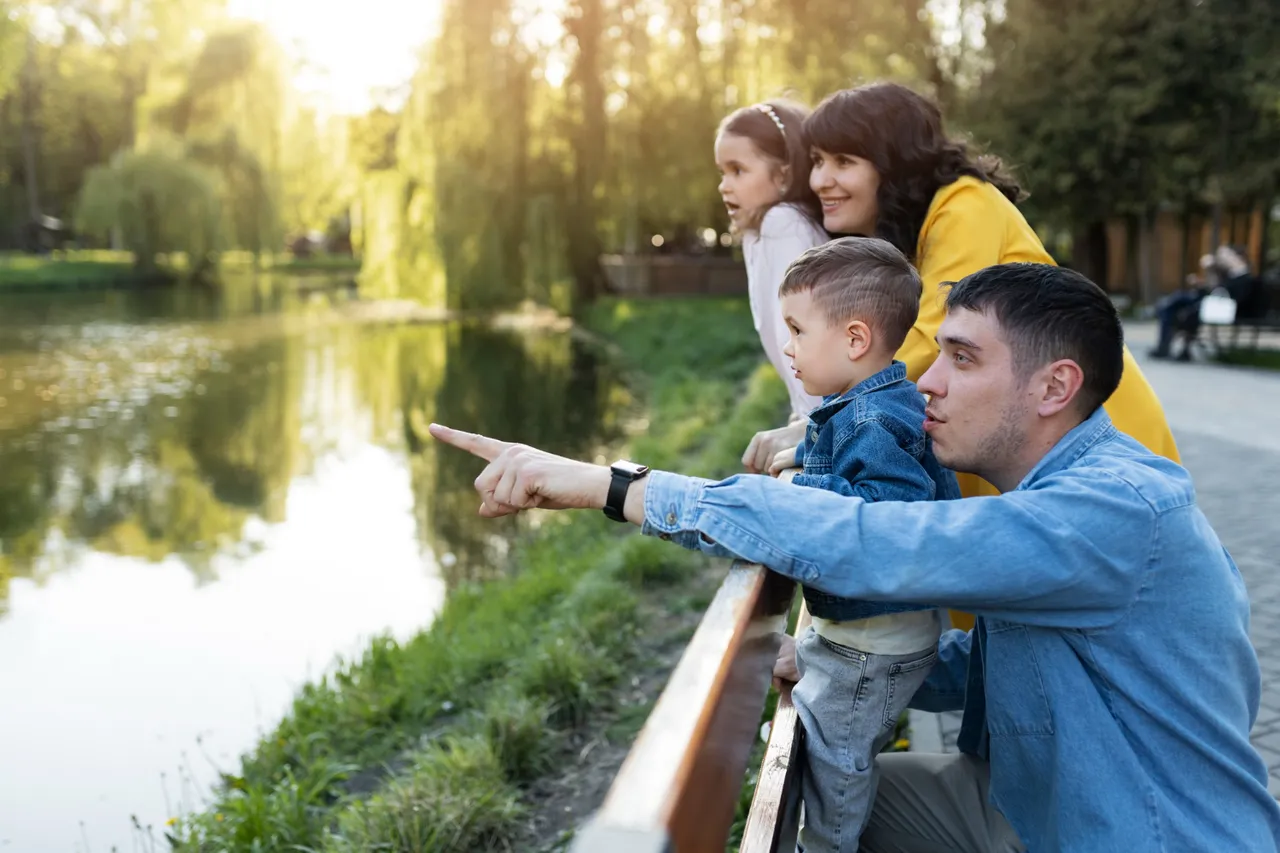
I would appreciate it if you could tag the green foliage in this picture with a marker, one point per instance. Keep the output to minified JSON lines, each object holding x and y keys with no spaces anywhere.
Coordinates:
{"x":105,"y":77}
{"x":516,"y":728}
{"x":160,"y":201}
{"x":69,"y":270}
{"x":646,"y":562}
{"x":1113,"y":108}
{"x":1268,"y":359}
{"x":12,"y":49}
{"x":455,"y":800}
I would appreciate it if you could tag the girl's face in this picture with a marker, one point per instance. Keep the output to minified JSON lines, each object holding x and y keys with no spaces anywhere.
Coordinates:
{"x":748,"y":179}
{"x":847,"y":187}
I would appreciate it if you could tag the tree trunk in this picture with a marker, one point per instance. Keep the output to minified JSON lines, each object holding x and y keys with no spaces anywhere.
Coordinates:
{"x":1089,"y":253}
{"x":518,"y":73}
{"x":1264,"y":239}
{"x":29,"y":135}
{"x":1148,"y":259}
{"x":587,"y":29}
{"x":1132,"y":257}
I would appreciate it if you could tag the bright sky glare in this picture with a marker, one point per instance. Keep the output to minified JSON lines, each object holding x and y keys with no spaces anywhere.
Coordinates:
{"x":350,"y":50}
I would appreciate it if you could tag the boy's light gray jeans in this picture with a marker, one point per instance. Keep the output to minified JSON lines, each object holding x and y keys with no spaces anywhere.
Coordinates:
{"x":848,"y":702}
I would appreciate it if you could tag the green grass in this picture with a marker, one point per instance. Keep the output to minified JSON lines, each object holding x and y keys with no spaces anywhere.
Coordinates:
{"x":427,"y":745}
{"x":65,"y":270}
{"x":1268,"y":359}
{"x":85,"y":269}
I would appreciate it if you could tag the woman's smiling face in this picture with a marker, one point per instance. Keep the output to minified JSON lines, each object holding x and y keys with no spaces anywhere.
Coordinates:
{"x":847,"y":186}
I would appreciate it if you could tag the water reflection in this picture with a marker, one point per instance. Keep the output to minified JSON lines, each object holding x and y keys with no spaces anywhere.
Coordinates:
{"x":204,"y":501}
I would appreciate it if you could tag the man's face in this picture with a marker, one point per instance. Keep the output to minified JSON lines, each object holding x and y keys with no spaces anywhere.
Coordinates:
{"x":980,"y":413}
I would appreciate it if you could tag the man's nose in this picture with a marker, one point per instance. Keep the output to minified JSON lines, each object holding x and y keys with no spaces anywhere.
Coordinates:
{"x":931,"y":381}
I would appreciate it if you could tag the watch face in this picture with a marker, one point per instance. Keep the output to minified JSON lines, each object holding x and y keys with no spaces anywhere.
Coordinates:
{"x":629,"y":469}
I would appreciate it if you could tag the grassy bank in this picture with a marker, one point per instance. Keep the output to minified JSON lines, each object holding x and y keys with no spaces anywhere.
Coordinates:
{"x":449,"y":741}
{"x":65,"y":271}
{"x":102,"y":269}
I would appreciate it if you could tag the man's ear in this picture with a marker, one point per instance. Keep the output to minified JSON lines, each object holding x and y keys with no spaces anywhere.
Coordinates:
{"x":860,"y":339}
{"x":1060,"y":386}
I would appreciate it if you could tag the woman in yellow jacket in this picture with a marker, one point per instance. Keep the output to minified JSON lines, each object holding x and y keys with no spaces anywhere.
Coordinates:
{"x":883,"y":166}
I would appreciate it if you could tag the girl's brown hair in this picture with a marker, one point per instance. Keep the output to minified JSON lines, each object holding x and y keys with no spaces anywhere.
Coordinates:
{"x":900,"y":133}
{"x":776,"y":129}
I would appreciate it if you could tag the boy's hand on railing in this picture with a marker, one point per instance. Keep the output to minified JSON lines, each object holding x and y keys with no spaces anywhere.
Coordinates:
{"x":783,"y":460}
{"x":784,"y":669}
{"x":766,"y":444}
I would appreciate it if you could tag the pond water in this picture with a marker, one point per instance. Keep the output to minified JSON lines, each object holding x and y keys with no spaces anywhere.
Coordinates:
{"x":205,"y":499}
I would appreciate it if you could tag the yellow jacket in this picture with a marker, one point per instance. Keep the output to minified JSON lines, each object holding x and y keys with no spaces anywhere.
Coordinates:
{"x":971,"y":225}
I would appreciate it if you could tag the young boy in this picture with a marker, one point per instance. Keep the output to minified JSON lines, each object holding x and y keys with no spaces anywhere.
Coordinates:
{"x":849,"y":305}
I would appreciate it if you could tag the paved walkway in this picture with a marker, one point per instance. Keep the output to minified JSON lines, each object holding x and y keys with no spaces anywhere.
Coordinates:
{"x":1227,"y":423}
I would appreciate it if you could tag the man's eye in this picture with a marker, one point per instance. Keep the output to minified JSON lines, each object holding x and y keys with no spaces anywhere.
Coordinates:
{"x":960,"y":358}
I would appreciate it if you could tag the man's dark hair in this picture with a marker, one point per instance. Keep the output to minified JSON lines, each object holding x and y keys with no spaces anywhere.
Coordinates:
{"x":1049,"y":313}
{"x":859,"y":278}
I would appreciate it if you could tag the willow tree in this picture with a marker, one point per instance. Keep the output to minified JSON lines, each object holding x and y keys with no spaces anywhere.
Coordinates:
{"x":159,"y":200}
{"x":231,"y":109}
{"x":466,"y":148}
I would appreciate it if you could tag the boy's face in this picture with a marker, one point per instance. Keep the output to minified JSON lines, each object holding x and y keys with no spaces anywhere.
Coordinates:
{"x":823,"y":354}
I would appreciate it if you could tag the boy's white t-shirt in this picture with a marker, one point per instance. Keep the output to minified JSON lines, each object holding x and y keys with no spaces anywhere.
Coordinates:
{"x":784,"y":234}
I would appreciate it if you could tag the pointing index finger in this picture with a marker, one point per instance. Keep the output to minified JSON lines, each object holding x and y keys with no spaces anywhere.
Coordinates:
{"x":486,"y":448}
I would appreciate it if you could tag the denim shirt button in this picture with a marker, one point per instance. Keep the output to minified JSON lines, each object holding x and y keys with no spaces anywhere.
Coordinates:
{"x":671,"y":518}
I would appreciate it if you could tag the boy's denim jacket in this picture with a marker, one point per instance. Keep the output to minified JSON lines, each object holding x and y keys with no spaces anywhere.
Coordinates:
{"x":869,"y":442}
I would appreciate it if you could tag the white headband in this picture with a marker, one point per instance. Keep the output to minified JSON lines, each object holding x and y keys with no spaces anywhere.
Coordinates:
{"x":768,"y":110}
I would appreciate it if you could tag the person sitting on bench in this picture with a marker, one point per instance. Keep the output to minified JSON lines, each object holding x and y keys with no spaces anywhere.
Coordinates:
{"x":1180,"y":312}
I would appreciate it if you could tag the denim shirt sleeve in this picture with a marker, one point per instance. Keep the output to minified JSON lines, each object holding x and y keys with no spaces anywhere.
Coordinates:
{"x":869,"y":463}
{"x":1070,"y":552}
{"x":944,"y":689}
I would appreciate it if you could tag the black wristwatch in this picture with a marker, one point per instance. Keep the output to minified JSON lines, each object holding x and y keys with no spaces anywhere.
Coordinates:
{"x":624,"y":474}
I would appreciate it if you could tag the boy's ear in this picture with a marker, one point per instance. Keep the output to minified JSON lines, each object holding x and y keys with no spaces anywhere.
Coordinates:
{"x":860,"y":339}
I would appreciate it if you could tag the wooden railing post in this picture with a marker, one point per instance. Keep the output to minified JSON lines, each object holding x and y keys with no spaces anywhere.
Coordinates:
{"x":774,"y":820}
{"x":678,"y":788}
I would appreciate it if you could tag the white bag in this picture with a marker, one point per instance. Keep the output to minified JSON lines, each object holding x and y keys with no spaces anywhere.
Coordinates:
{"x":1218,"y":309}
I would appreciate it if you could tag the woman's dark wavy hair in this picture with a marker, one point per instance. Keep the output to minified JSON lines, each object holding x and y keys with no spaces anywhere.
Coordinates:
{"x":785,"y":146}
{"x":899,"y":131}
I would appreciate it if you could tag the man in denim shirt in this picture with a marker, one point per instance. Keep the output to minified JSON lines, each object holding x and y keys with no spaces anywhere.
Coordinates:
{"x":1109,"y":684}
{"x":849,"y":305}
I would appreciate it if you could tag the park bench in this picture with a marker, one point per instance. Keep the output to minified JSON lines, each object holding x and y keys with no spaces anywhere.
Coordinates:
{"x":1258,"y":312}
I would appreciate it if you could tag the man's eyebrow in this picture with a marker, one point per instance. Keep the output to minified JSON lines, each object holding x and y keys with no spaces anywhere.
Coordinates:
{"x":954,"y":341}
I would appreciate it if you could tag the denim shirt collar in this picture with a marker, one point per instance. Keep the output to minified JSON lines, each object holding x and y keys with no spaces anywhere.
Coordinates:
{"x":895,"y":372}
{"x":1071,"y":447}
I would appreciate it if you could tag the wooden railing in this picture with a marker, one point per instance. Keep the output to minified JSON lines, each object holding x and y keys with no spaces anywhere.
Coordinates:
{"x":678,"y":788}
